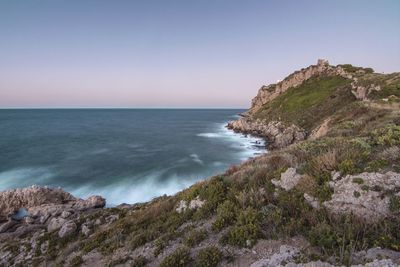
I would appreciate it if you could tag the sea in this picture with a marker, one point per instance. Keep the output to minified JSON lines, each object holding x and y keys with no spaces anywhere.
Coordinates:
{"x":124,"y":155}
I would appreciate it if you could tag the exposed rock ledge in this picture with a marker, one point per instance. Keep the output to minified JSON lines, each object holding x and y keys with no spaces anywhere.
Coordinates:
{"x":277,"y":134}
{"x":36,"y":199}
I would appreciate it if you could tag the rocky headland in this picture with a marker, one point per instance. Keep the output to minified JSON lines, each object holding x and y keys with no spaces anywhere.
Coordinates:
{"x":326,"y":194}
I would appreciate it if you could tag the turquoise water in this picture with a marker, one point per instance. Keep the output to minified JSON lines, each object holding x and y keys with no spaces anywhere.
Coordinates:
{"x":125,"y":155}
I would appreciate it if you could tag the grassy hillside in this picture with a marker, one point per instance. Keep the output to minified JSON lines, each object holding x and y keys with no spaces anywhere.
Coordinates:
{"x":308,"y":104}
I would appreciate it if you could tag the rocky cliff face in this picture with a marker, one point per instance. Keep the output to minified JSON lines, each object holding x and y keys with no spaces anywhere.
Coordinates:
{"x":277,"y":134}
{"x":268,"y":93}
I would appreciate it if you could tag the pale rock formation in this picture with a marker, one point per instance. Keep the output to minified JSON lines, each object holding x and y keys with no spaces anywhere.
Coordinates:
{"x":193,"y":204}
{"x":361,"y":92}
{"x":289,"y":179}
{"x":67,"y":229}
{"x":55,"y":224}
{"x":371,"y":203}
{"x":270,"y":92}
{"x":312,"y":201}
{"x":285,"y":254}
{"x":15,"y":199}
{"x":277,"y":134}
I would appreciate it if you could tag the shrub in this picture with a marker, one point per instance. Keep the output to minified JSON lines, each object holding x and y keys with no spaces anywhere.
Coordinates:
{"x":388,"y":136}
{"x":195,"y":237}
{"x":179,"y":258}
{"x":394,"y":204}
{"x":208,"y":257}
{"x":76,"y":261}
{"x":356,"y":194}
{"x":347,"y":166}
{"x":246,"y":231}
{"x":159,"y":246}
{"x":226,"y":215}
{"x":140,"y":261}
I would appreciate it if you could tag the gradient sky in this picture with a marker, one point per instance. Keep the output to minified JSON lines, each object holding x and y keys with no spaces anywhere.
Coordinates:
{"x":205,"y":53}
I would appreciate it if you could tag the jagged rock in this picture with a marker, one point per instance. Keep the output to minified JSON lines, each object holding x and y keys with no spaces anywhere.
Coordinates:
{"x":372,"y":204}
{"x":270,"y":92}
{"x":361,"y":92}
{"x":15,"y":199}
{"x":277,"y":134}
{"x":67,"y":229}
{"x":289,"y":179}
{"x":86,"y":229}
{"x":92,"y":202}
{"x":65,"y":214}
{"x":112,"y":218}
{"x":312,"y":201}
{"x":285,"y":254}
{"x":7,"y":226}
{"x":55,"y":224}
{"x":193,"y":204}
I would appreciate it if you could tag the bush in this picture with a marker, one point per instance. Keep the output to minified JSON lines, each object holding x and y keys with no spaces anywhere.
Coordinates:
{"x":394,"y":204}
{"x":195,"y":237}
{"x":358,"y":180}
{"x":347,"y":166}
{"x":179,"y":258}
{"x":226,"y":215}
{"x":208,"y":257}
{"x":140,"y":261}
{"x":246,"y":231}
{"x":76,"y":261}
{"x":388,"y":136}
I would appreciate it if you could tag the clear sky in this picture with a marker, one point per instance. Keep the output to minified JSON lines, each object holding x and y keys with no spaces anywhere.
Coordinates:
{"x":204,"y":53}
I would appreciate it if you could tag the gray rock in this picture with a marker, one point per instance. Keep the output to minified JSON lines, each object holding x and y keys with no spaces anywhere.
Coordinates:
{"x":55,"y":224}
{"x":67,"y":229}
{"x":289,"y":179}
{"x":86,"y":229}
{"x":7,"y":226}
{"x":65,"y":214}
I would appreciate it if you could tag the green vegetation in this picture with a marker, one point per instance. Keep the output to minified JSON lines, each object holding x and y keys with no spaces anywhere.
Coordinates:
{"x":195,"y":237}
{"x":179,"y":258}
{"x":140,"y":261}
{"x":308,"y":104}
{"x":352,"y":69}
{"x":208,"y":257}
{"x":76,"y":261}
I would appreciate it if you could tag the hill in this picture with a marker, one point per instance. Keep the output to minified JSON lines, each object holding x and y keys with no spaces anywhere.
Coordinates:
{"x":327,"y":193}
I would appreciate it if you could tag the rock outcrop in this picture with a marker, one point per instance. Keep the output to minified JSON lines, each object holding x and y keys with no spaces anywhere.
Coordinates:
{"x":268,"y":93}
{"x":34,"y":196}
{"x":364,"y":194}
{"x":277,"y":133}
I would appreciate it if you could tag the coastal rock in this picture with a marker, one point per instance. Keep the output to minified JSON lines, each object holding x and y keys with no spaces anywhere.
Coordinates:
{"x":193,"y":204}
{"x":67,"y":229}
{"x":7,"y":226}
{"x":285,"y":254}
{"x":289,"y":179}
{"x":55,"y":224}
{"x":86,"y":229}
{"x":277,"y":134}
{"x":270,"y":92}
{"x":15,"y":199}
{"x":363,"y":194}
{"x":92,"y":202}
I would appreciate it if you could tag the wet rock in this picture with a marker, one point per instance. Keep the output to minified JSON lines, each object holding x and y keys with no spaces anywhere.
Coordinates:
{"x":278,"y":134}
{"x":67,"y":229}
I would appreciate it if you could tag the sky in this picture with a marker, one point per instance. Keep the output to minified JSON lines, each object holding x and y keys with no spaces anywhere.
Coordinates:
{"x":180,"y":53}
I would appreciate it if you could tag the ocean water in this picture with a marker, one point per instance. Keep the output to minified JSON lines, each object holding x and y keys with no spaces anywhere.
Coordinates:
{"x":125,"y":155}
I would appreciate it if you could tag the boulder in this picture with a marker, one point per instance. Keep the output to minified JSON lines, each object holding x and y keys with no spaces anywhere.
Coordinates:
{"x":55,"y":224}
{"x":67,"y":229}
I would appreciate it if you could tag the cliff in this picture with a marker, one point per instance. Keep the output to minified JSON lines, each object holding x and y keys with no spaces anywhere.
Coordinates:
{"x":306,"y":100}
{"x":328,"y":194}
